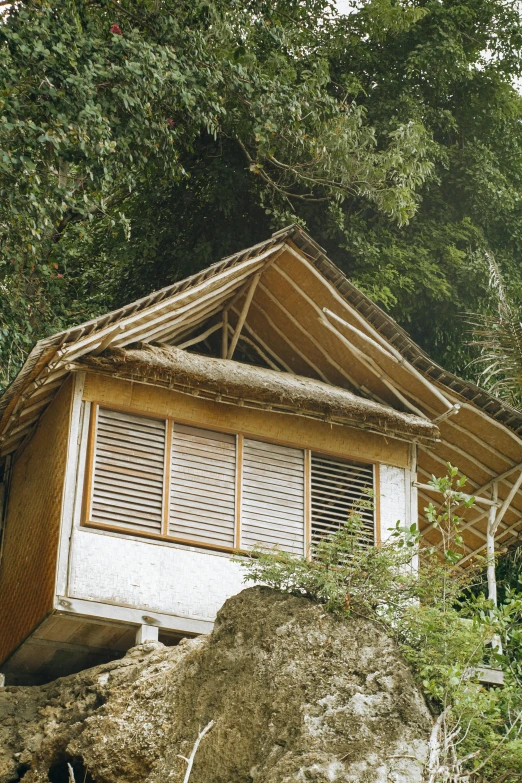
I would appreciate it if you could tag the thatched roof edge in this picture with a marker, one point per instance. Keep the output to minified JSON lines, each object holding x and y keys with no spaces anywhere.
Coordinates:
{"x":243,"y":384}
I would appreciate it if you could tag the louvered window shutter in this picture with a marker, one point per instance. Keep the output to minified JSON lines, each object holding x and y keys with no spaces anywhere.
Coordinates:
{"x":129,"y":463}
{"x":272,"y":506}
{"x":203,"y":486}
{"x":338,"y":487}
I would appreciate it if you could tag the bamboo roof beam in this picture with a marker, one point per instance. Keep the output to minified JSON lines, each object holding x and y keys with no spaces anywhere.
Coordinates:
{"x":224,"y":334}
{"x":367,"y":326}
{"x":260,"y":352}
{"x":243,"y":314}
{"x":291,"y":345}
{"x":107,"y":340}
{"x":266,"y":348}
{"x":468,"y":524}
{"x":144,"y":333}
{"x":183,"y":327}
{"x":477,"y":498}
{"x":390,"y":352}
{"x":309,"y":336}
{"x":367,"y":362}
{"x":200,"y":337}
{"x":318,"y":310}
{"x":506,"y":504}
{"x":512,"y":528}
{"x":94,"y":339}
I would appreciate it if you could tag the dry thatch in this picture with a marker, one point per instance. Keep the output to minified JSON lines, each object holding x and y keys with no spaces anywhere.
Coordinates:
{"x":241,"y":384}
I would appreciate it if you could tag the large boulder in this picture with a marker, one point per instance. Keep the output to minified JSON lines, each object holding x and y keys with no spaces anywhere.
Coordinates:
{"x":296,"y":695}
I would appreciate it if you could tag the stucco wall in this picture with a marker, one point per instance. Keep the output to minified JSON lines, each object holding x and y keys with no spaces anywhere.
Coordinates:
{"x":152,"y":576}
{"x":394,"y":498}
{"x":28,"y":566}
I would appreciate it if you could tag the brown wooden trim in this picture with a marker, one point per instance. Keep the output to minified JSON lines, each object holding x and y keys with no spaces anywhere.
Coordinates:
{"x":239,"y":488}
{"x":308,"y":503}
{"x":167,"y":476}
{"x":235,"y":431}
{"x":89,"y":464}
{"x":377,"y":503}
{"x":161,"y":537}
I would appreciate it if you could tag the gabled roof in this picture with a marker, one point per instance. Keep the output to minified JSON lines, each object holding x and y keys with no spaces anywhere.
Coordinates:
{"x":302,"y":316}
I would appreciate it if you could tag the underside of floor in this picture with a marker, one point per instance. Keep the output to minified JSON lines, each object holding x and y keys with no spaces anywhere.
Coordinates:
{"x":63,"y":645}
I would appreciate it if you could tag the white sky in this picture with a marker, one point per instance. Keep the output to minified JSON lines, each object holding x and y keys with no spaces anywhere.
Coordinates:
{"x":343,"y":6}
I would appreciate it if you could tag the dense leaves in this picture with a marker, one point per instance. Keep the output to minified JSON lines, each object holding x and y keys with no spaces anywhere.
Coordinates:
{"x":106,"y":107}
{"x":142,"y":140}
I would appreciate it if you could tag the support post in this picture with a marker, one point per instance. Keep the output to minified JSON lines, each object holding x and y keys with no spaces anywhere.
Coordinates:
{"x":243,"y":315}
{"x":147,"y":633}
{"x":224,"y":335}
{"x":490,"y":544}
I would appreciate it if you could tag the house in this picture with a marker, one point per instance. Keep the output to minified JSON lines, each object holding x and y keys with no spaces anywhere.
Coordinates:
{"x":256,"y":402}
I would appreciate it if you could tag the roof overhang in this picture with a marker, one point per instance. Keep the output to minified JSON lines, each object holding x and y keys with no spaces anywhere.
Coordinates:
{"x":287,"y":302}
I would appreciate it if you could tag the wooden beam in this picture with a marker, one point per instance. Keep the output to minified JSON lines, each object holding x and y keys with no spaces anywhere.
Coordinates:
{"x":107,"y":340}
{"x":259,"y":351}
{"x":244,"y":312}
{"x":484,"y":501}
{"x":265,"y":347}
{"x":391,"y":353}
{"x":507,"y":502}
{"x":512,"y":528}
{"x":353,"y":383}
{"x":293,"y":348}
{"x":93,"y":340}
{"x":224,"y":334}
{"x":490,"y":547}
{"x":372,"y":367}
{"x":200,"y":337}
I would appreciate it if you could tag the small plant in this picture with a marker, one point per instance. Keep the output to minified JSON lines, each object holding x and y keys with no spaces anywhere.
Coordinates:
{"x":420,"y":596}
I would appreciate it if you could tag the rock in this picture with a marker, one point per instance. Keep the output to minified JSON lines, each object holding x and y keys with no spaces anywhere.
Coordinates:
{"x":296,"y":695}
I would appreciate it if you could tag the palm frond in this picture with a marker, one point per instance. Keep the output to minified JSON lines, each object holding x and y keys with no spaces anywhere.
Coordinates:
{"x":499,"y":341}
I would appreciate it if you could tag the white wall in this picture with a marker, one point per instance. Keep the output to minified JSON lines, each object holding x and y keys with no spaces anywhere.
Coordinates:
{"x":153,"y":577}
{"x":395,"y":500}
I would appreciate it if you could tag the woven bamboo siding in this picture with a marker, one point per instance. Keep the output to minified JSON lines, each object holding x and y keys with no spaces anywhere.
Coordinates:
{"x":27,"y":570}
{"x":128,"y":471}
{"x":272,"y":509}
{"x":203,"y":470}
{"x":338,"y":489}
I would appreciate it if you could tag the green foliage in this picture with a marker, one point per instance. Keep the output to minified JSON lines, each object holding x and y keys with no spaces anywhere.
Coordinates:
{"x":102,"y":107}
{"x":421,"y":598}
{"x":498,"y":338}
{"x":131,"y":159}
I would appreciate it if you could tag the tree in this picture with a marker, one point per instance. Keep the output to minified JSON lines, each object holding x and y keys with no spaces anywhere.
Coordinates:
{"x":205,"y":126}
{"x":447,"y":66}
{"x":107,"y":106}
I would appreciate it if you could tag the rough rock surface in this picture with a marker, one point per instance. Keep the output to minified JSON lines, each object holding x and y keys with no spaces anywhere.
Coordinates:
{"x":296,"y":695}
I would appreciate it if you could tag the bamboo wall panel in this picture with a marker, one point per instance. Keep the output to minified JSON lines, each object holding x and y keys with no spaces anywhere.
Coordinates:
{"x":203,"y":486}
{"x":128,"y":471}
{"x":272,"y":508}
{"x":27,"y":570}
{"x":284,"y":428}
{"x":338,"y":489}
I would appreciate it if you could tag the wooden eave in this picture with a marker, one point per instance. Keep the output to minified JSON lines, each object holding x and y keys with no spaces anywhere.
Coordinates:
{"x":301,"y":316}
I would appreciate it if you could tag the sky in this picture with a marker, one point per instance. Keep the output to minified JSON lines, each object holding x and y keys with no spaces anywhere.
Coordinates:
{"x":343,"y":6}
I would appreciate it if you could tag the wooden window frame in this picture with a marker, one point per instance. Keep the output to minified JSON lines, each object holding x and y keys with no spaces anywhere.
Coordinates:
{"x":87,"y":499}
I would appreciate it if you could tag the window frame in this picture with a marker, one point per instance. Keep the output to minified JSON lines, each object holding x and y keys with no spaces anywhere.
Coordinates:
{"x":88,"y":482}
